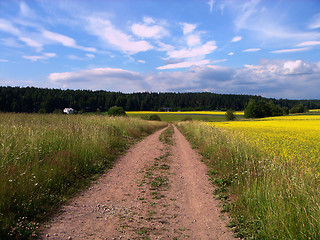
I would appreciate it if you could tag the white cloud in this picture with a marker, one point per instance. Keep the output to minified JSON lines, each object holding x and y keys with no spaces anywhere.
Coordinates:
{"x":236,"y":39}
{"x":6,"y":26}
{"x":252,"y":50}
{"x":210,"y":3}
{"x":183,"y":64}
{"x":3,"y":60}
{"x":90,"y":55}
{"x":111,"y":79}
{"x":74,"y":57}
{"x":25,"y":10}
{"x":265,"y":24}
{"x":309,"y":43}
{"x":37,"y":41}
{"x":246,"y":10}
{"x":315,"y":22}
{"x":148,"y":20}
{"x":274,"y":68}
{"x":44,"y":56}
{"x":188,"y":28}
{"x":141,"y":61}
{"x":11,"y":42}
{"x":145,"y":31}
{"x":219,"y":60}
{"x":31,"y":43}
{"x":297,"y":67}
{"x":65,"y":40}
{"x":87,"y":57}
{"x":193,"y":40}
{"x":279,"y":78}
{"x":293,"y":50}
{"x":231,"y":53}
{"x":164,"y":47}
{"x":202,"y":50}
{"x":107,"y":32}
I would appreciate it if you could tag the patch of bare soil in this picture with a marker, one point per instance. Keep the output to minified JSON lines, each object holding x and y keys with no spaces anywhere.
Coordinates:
{"x":158,"y":190}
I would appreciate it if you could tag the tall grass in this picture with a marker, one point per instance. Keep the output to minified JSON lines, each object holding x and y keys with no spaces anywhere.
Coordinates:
{"x":44,"y":159}
{"x":271,"y":200}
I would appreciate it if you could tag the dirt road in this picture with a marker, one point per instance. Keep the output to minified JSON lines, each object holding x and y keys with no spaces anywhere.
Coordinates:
{"x":155,"y":191}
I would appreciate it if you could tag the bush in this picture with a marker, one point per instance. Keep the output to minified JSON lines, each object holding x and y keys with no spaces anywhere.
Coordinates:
{"x":154,"y":117}
{"x":116,"y":111}
{"x":230,"y":116}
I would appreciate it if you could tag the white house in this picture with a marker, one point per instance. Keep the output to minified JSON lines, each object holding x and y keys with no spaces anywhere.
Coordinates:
{"x":68,"y":110}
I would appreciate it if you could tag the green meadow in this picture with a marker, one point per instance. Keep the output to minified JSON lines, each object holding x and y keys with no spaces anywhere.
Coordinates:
{"x":208,"y":116}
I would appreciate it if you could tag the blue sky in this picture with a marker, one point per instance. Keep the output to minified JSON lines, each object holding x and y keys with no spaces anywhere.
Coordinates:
{"x":267,"y":47}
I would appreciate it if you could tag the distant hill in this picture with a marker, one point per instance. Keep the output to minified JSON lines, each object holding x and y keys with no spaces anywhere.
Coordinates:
{"x":31,"y":99}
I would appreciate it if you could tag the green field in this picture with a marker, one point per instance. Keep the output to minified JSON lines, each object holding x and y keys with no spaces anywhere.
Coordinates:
{"x":208,"y":116}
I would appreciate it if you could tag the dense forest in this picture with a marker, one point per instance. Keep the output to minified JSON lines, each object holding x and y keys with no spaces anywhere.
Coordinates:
{"x":30,"y":99}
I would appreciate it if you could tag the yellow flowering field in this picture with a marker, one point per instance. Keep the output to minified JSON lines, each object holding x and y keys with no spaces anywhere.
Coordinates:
{"x":291,"y":138}
{"x":191,"y":112}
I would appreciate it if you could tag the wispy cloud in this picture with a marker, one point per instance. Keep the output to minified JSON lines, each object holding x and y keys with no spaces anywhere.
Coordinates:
{"x":202,"y":50}
{"x":210,"y":3}
{"x":219,"y":61}
{"x":252,"y":50}
{"x":236,"y":39}
{"x":246,"y":10}
{"x":32,"y":43}
{"x":184,"y":64}
{"x":11,"y":42}
{"x":231,"y":53}
{"x":258,"y":19}
{"x":65,"y":40}
{"x":7,"y":26}
{"x":309,"y":44}
{"x":107,"y":32}
{"x":315,"y":22}
{"x":39,"y":37}
{"x":149,"y":29}
{"x":89,"y":55}
{"x":26,"y":11}
{"x":75,"y":57}
{"x":292,"y":50}
{"x":44,"y":56}
{"x":3,"y":60}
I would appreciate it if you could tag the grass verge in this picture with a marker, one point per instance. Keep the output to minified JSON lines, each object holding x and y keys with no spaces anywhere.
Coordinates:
{"x":45,"y":159}
{"x":270,"y":198}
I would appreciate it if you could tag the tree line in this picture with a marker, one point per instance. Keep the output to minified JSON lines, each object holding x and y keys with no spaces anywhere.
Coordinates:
{"x":44,"y":100}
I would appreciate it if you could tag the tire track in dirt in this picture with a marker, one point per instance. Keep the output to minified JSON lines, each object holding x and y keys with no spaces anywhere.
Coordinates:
{"x":155,"y":191}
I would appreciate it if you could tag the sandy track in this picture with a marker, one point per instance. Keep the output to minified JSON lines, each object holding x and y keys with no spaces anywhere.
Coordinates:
{"x":155,"y":191}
